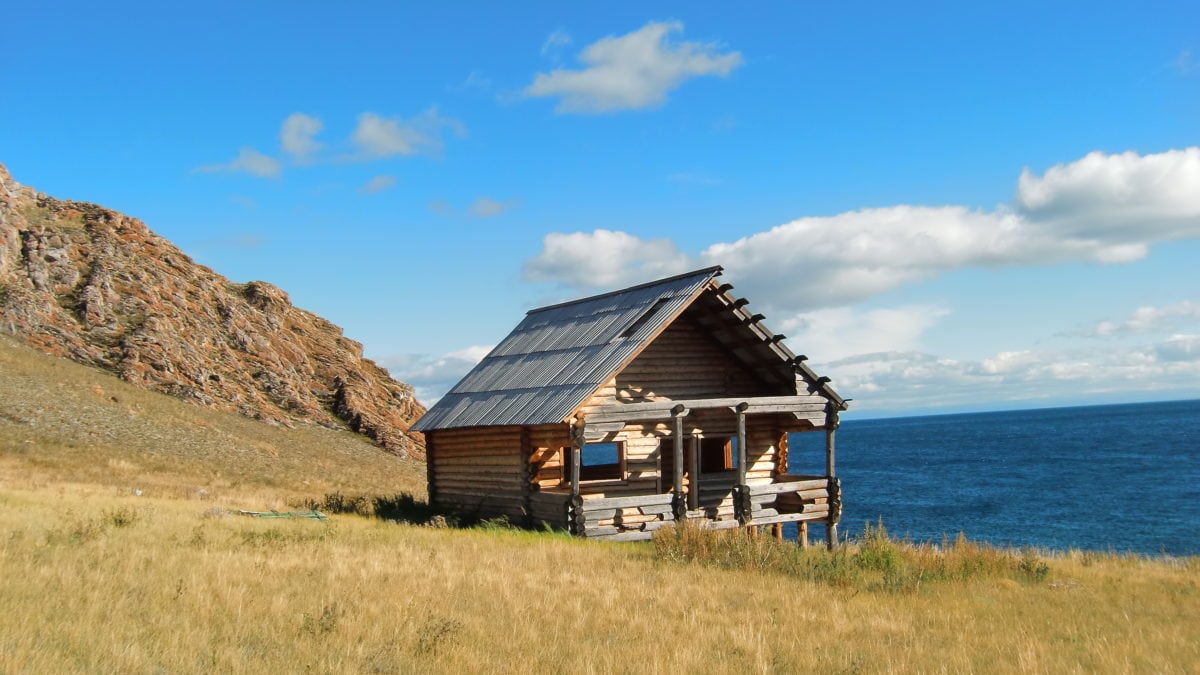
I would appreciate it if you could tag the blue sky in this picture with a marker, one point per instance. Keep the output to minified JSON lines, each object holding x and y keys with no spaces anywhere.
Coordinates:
{"x":947,"y":206}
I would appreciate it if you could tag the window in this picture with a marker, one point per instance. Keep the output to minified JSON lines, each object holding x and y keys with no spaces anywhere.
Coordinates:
{"x":602,"y":461}
{"x":718,"y":454}
{"x":641,"y":320}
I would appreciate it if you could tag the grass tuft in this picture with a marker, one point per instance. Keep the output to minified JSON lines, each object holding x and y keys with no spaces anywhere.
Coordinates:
{"x":874,"y":561}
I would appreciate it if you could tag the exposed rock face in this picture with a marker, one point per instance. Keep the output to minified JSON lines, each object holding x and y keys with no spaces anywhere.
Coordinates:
{"x":85,"y":282}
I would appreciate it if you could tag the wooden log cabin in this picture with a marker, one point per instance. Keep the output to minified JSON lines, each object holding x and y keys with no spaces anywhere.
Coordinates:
{"x":614,"y":415}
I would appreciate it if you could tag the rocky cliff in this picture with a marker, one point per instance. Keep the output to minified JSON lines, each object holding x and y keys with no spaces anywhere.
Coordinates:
{"x":85,"y":282}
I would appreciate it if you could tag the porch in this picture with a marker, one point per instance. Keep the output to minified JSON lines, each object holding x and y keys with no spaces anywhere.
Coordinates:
{"x":720,"y":500}
{"x":790,"y":498}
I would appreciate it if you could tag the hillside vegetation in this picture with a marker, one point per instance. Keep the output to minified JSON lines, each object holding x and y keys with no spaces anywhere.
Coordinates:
{"x":61,"y":421}
{"x":119,"y":553}
{"x":99,"y":287}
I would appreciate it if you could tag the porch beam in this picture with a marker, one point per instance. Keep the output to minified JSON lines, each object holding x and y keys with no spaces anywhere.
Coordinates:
{"x":628,"y":412}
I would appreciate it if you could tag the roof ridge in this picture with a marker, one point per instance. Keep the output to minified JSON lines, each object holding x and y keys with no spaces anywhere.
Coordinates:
{"x":714,"y":270}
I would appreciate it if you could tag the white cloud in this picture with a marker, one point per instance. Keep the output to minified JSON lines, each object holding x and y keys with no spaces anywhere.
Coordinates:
{"x":1102,"y":208}
{"x":377,"y":184}
{"x":378,"y":137}
{"x":1116,"y":200}
{"x":1181,"y":349}
{"x":248,"y":161}
{"x":603,"y":258}
{"x":1150,"y":320}
{"x":908,"y":380}
{"x":556,"y":40}
{"x":432,"y":375}
{"x":633,"y":71}
{"x":297,"y":136}
{"x":840,"y":332}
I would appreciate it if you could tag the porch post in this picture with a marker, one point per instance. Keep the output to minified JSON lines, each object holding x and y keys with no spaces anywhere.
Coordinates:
{"x":831,"y":423}
{"x":679,"y":499}
{"x":575,"y":522}
{"x":741,"y":438}
{"x":576,"y":449}
{"x":694,"y":487}
{"x":742,"y":506}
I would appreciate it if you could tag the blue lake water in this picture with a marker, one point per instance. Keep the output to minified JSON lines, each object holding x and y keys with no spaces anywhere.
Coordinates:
{"x":1113,"y":477}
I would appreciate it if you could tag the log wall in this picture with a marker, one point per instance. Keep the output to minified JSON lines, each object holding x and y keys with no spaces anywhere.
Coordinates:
{"x":684,"y":361}
{"x":479,"y":471}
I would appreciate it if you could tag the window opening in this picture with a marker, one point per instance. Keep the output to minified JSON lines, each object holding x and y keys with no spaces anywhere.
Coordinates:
{"x":602,"y":461}
{"x":718,"y":454}
{"x":641,"y":320}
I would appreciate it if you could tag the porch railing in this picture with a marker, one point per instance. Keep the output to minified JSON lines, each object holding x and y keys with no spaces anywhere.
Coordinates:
{"x":790,"y":498}
{"x":622,"y":518}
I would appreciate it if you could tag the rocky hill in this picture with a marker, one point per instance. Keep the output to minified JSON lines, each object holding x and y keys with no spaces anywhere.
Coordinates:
{"x":91,"y":284}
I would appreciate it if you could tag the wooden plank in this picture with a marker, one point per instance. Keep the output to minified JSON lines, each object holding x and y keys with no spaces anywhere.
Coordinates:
{"x":600,"y":531}
{"x":590,"y":503}
{"x":791,"y":518}
{"x":599,"y":514}
{"x":632,"y":535}
{"x":794,"y":486}
{"x":627,"y":520}
{"x":512,"y":461}
{"x":706,"y":403}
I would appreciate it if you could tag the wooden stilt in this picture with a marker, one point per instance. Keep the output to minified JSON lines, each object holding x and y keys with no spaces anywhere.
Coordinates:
{"x":831,"y":424}
{"x":777,"y":532}
{"x":802,"y":535}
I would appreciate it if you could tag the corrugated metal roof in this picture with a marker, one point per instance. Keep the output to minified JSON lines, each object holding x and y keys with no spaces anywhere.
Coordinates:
{"x":558,"y":356}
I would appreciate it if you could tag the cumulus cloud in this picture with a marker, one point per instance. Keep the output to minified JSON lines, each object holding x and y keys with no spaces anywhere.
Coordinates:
{"x":248,"y":161}
{"x":906,"y":380}
{"x":377,"y":184}
{"x":1101,"y":208}
{"x":632,"y":71}
{"x":843,"y":331}
{"x":433,"y":375}
{"x":603,"y":258}
{"x":1101,"y":198}
{"x":297,"y":136}
{"x":1150,"y":320}
{"x":377,"y":137}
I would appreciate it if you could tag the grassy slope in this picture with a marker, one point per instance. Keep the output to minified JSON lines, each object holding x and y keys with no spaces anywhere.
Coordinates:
{"x":61,"y":421}
{"x":93,"y":578}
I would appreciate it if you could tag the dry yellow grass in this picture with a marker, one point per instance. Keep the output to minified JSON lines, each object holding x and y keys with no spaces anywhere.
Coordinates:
{"x":95,"y":579}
